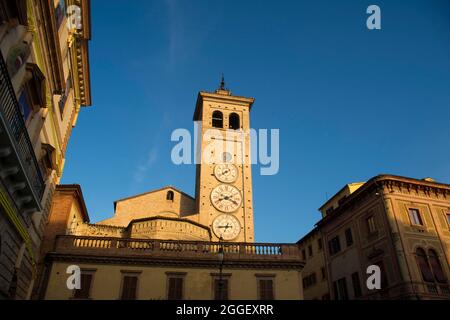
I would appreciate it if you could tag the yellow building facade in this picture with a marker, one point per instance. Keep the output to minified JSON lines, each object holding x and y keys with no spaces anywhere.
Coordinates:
{"x":44,"y":81}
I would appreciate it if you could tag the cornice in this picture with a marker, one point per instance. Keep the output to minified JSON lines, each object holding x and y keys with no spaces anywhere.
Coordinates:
{"x":153,"y":191}
{"x":79,"y":39}
{"x":390,"y":182}
{"x":202,"y":95}
{"x":180,"y":261}
{"x":81,"y":49}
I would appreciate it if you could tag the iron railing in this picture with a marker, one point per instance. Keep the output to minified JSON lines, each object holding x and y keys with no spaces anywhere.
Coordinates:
{"x":10,"y":111}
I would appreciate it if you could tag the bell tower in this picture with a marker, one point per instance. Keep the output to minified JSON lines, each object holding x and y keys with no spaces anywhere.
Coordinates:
{"x":224,"y":174}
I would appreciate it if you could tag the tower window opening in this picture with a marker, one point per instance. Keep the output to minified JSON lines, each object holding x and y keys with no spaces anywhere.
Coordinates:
{"x":169,"y":195}
{"x":217,"y":119}
{"x":234,"y":122}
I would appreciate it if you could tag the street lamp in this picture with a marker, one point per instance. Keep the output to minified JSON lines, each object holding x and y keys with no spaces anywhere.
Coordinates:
{"x":221,"y":257}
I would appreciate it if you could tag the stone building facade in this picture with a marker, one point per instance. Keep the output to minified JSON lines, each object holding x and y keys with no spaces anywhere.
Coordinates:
{"x":44,"y":80}
{"x":401,"y":225}
{"x":314,"y":274}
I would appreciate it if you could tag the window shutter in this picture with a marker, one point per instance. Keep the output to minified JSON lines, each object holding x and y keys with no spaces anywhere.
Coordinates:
{"x":269,"y":288}
{"x":266,"y":289}
{"x":175,"y":289}
{"x":342,"y":286}
{"x":357,"y":291}
{"x":335,"y":290}
{"x":129,"y":287}
{"x":172,"y":289}
{"x":262,"y":289}
{"x":83,"y":292}
{"x":384,"y":278}
{"x":221,"y":292}
{"x":179,"y":288}
{"x":216,"y":289}
{"x":436,"y":267}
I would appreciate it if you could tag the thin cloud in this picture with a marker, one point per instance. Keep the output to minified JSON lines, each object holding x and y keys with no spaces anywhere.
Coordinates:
{"x":141,"y":170}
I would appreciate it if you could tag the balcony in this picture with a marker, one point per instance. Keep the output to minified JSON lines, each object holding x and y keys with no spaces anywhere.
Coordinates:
{"x":19,"y":169}
{"x":195,"y":251}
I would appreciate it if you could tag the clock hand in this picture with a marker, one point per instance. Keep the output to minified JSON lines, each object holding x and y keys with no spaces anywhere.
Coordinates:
{"x":225,"y":227}
{"x":224,"y":198}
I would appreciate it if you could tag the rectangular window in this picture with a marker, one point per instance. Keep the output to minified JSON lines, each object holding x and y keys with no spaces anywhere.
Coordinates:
{"x":334,"y":245}
{"x":320,"y":244}
{"x":220,"y":289}
{"x":356,"y":285}
{"x":384,"y":279}
{"x":310,"y":250}
{"x":265,"y":289}
{"x":129,"y":287}
{"x":175,"y":290}
{"x":86,"y":283}
{"x":340,"y":289}
{"x":414,"y":216}
{"x":303,"y":254}
{"x":371,"y":226}
{"x":324,"y":273}
{"x":349,"y":237}
{"x":309,"y":280}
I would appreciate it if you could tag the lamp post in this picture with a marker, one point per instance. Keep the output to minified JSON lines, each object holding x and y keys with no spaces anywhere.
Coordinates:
{"x":221,"y":258}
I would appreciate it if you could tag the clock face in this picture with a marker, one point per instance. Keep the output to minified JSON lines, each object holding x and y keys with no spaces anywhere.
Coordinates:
{"x":226,"y":172}
{"x":226,"y":198}
{"x":226,"y":227}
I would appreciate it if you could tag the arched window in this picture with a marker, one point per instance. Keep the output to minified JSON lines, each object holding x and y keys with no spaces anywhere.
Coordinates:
{"x":422,"y":262}
{"x":436,"y":267}
{"x":234,"y":122}
{"x":217,"y":119}
{"x":169,"y":195}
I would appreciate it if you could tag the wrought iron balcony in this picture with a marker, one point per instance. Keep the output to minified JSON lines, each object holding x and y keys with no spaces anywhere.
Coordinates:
{"x":19,"y":169}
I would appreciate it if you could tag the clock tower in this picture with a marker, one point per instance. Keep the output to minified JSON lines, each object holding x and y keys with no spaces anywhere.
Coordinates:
{"x":224,"y":174}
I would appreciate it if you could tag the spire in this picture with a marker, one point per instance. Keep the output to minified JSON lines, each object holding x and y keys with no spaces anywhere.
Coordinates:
{"x":222,"y":83}
{"x":222,"y":90}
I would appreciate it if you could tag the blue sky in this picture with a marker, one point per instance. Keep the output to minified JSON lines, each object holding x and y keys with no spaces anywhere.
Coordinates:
{"x":350,"y":103}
